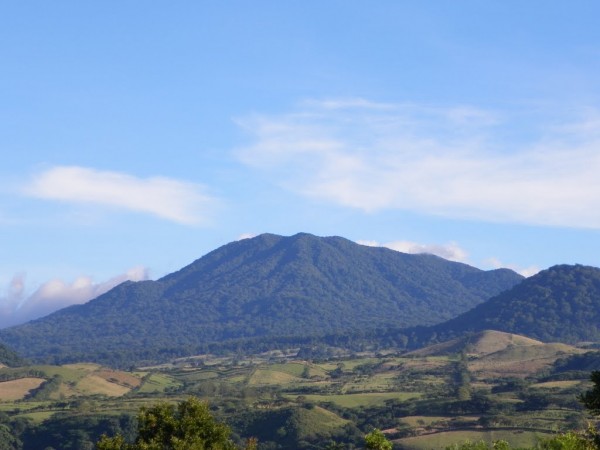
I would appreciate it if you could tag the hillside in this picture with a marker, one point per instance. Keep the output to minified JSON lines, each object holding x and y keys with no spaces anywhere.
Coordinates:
{"x":561,"y":304}
{"x":267,"y":286}
{"x":478,"y":344}
{"x":494,"y":354}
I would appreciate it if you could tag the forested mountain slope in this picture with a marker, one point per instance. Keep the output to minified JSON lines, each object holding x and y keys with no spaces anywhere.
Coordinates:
{"x":266,"y":286}
{"x":561,"y":304}
{"x":9,"y":358}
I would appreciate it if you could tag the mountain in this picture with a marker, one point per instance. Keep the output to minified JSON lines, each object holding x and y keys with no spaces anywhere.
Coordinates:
{"x":561,"y":304}
{"x":262,"y":287}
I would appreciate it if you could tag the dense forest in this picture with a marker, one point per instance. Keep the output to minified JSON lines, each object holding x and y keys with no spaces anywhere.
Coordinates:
{"x":266,"y":288}
{"x":561,"y":304}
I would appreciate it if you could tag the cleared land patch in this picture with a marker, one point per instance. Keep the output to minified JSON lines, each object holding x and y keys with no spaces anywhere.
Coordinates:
{"x":93,"y":384}
{"x":272,"y":377}
{"x":17,"y":389}
{"x":118,"y":377}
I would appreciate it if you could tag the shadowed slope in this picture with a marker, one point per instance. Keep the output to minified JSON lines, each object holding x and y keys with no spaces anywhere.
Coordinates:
{"x":561,"y":303}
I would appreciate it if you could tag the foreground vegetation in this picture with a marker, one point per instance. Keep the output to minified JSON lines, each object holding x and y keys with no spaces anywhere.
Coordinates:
{"x":493,"y":387}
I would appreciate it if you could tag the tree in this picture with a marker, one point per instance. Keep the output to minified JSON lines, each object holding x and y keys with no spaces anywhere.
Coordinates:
{"x":570,"y":441}
{"x":591,"y":398}
{"x":376,"y":440}
{"x":188,"y":425}
{"x":7,"y":440}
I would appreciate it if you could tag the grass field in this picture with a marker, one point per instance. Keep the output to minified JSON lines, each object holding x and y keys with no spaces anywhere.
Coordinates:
{"x":439,"y":441}
{"x":157,"y":382}
{"x":37,"y":416}
{"x":93,"y":384}
{"x":118,"y":377}
{"x":320,"y":419}
{"x":424,"y":421}
{"x":272,"y":377}
{"x":378,"y":382}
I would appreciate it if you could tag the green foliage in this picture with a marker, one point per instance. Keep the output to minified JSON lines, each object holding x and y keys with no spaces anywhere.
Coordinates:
{"x":568,"y":441}
{"x":8,"y":441}
{"x":376,"y":440}
{"x":591,"y":398}
{"x":586,"y":362}
{"x":480,"y":445}
{"x":74,"y":432}
{"x":186,"y":426}
{"x":571,"y":440}
{"x":287,"y":426}
{"x":266,"y":287}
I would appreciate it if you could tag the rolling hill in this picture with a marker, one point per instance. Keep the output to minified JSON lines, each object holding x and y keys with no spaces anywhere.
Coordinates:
{"x":267,"y":286}
{"x":495,"y":354}
{"x":478,"y":344}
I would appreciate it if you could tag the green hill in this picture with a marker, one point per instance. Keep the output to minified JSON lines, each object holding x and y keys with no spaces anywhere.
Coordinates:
{"x":560,"y":304}
{"x":268,"y":286}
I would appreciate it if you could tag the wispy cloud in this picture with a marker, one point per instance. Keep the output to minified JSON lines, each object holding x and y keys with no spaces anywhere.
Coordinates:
{"x":495,"y":263}
{"x":243,"y":236}
{"x":167,"y":198}
{"x":18,"y":307}
{"x":450,"y":251}
{"x":458,"y":162}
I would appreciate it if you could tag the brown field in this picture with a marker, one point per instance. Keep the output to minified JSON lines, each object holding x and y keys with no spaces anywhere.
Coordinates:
{"x":520,"y":361}
{"x":483,"y":343}
{"x":439,"y":441}
{"x":17,"y":389}
{"x":93,"y":384}
{"x":123,"y":378}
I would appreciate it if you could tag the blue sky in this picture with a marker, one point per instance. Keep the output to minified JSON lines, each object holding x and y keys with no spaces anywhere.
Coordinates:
{"x":138,"y":136}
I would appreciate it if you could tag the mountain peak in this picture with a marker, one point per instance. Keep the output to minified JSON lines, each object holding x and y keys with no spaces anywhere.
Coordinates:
{"x":264,"y":287}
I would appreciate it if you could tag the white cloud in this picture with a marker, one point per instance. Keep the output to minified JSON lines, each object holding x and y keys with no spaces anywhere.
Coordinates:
{"x":451,"y":251}
{"x":16,"y":307}
{"x":246,"y":236}
{"x":458,"y":162}
{"x":167,"y":198}
{"x":495,"y":263}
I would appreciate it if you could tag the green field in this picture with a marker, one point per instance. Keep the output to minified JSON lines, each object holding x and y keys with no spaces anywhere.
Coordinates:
{"x":439,"y":441}
{"x":157,"y":382}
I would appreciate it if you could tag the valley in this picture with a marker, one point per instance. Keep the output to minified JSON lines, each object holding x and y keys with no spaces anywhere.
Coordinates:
{"x":490,"y":385}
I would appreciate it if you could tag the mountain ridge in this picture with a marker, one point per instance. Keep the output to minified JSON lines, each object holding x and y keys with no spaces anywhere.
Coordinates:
{"x":561,"y":303}
{"x":262,"y":287}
